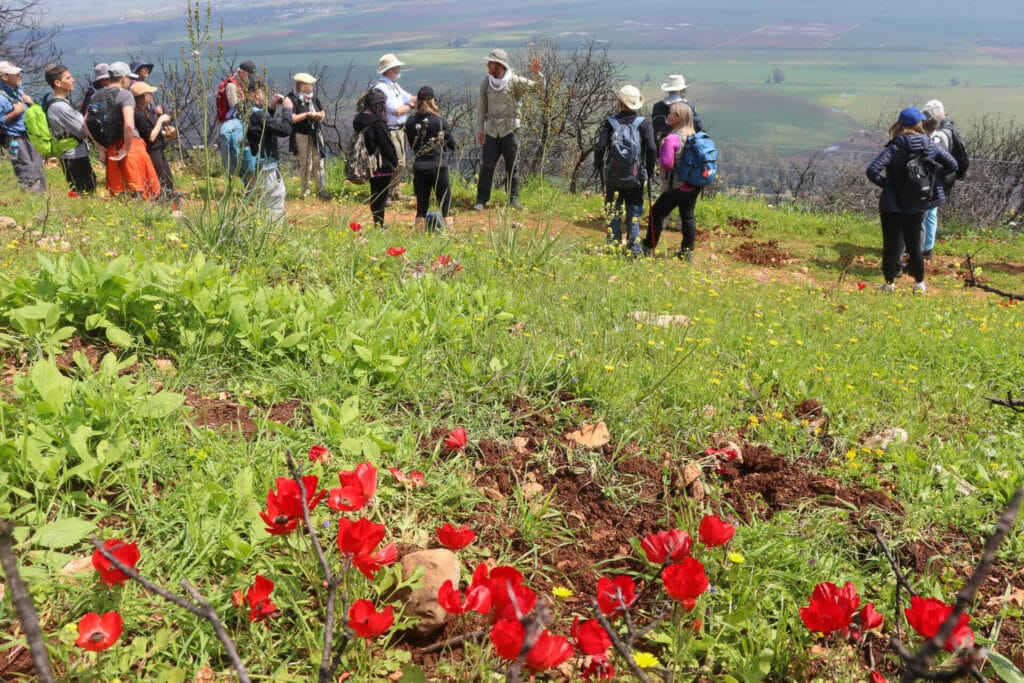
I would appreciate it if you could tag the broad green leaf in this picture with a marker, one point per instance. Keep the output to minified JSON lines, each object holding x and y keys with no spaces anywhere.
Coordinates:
{"x":161,"y":405}
{"x":63,"y":532}
{"x":1005,"y":668}
{"x":79,"y":440}
{"x":53,"y":387}
{"x":412,"y":674}
{"x":349,"y":411}
{"x":118,"y":337}
{"x":291,"y":340}
{"x":363,"y":352}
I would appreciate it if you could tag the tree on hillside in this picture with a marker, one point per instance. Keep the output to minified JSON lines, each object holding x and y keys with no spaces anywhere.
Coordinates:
{"x":24,"y":39}
{"x":562,"y":117}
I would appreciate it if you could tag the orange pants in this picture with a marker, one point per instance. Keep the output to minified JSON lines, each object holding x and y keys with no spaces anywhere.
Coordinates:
{"x":134,"y":173}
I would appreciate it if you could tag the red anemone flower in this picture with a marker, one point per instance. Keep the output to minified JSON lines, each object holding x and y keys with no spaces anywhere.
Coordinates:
{"x":367,"y":622}
{"x":355,"y":227}
{"x":861,"y":285}
{"x":925,"y":615}
{"x":510,"y":599}
{"x":319,"y":453}
{"x":443,"y":260}
{"x":674,"y":544}
{"x":97,"y":633}
{"x":126,"y":553}
{"x":284,"y":504}
{"x":456,"y":440}
{"x":831,"y":608}
{"x":455,"y":539}
{"x":614,"y":596}
{"x":685,"y":581}
{"x":598,"y":668}
{"x":477,"y":599}
{"x":357,"y":488}
{"x":359,"y":540}
{"x":548,"y":652}
{"x":412,"y":480}
{"x":277,"y":523}
{"x":258,"y":598}
{"x":870,"y":618}
{"x":878,"y":678}
{"x":507,"y":637}
{"x":395,"y":251}
{"x":590,"y":637}
{"x":715,"y":532}
{"x":72,"y":194}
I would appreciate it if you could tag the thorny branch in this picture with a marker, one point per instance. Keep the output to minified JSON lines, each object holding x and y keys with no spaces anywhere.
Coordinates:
{"x":971,"y":281}
{"x":1014,"y":404}
{"x":22,"y":602}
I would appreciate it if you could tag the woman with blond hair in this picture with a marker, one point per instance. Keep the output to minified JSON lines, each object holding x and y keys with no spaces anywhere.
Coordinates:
{"x":429,"y":135}
{"x":677,"y":194}
{"x":900,"y":207}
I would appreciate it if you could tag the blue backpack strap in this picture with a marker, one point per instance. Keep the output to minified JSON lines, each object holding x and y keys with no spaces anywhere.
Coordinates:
{"x":614,"y":123}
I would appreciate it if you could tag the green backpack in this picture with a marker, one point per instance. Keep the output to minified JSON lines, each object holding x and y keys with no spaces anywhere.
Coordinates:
{"x":39,"y":134}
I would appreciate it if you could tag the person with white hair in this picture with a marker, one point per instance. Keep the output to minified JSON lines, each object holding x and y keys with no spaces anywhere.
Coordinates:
{"x":943,"y":133}
{"x":675,"y":91}
{"x":26,"y":160}
{"x":307,"y":115}
{"x":398,"y":105}
{"x":498,"y":116}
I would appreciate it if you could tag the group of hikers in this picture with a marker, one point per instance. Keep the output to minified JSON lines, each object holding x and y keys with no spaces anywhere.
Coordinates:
{"x":669,"y":150}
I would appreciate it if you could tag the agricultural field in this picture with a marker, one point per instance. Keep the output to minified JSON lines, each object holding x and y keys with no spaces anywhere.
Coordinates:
{"x":777,"y":420}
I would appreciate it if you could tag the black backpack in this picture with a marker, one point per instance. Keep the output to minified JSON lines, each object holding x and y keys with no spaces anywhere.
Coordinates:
{"x":956,"y":148}
{"x":623,"y":169}
{"x":104,"y":118}
{"x":917,"y":185}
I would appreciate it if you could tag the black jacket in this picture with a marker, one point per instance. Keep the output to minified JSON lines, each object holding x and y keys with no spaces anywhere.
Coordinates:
{"x":659,"y":118}
{"x":893,"y":160}
{"x":428,"y":135}
{"x":305,"y":127}
{"x":263,"y":128}
{"x":649,"y":151}
{"x":377,"y":139}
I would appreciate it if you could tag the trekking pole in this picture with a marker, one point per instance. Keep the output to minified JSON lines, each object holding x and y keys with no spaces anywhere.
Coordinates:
{"x":650,"y":211}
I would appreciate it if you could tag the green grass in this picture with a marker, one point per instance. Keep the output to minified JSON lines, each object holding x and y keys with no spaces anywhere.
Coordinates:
{"x":383,"y":354}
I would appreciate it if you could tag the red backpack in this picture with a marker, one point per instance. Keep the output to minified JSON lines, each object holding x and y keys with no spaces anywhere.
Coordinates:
{"x":222,"y":98}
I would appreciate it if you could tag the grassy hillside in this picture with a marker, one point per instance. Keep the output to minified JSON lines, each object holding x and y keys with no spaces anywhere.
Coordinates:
{"x":151,"y":391}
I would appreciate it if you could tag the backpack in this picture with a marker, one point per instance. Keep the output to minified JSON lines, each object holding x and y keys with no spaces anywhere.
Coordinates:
{"x":956,"y":148}
{"x":359,"y":163}
{"x":622,"y":169}
{"x":917,"y":185}
{"x":104,"y":118}
{"x":235,"y":153}
{"x":222,"y":98}
{"x":37,"y":127}
{"x":698,"y":164}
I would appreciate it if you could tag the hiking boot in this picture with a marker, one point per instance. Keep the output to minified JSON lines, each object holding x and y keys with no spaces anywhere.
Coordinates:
{"x":919,"y":287}
{"x":927,"y":254}
{"x":887,"y":287}
{"x":325,"y":196}
{"x":478,"y":207}
{"x":515,"y":204}
{"x":648,"y":252}
{"x":685,"y":254}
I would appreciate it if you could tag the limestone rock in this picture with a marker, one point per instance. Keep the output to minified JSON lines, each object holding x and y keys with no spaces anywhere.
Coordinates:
{"x":439,"y":565}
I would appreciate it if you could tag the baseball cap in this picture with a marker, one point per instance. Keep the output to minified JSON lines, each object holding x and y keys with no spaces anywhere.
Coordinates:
{"x":248,"y":66}
{"x":425,"y":93}
{"x":911,"y":116}
{"x":8,"y":69}
{"x":120,"y":70}
{"x":141,"y":88}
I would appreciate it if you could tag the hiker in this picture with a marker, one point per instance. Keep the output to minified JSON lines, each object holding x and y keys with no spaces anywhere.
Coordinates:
{"x":129,"y":168}
{"x":900,"y":206}
{"x":429,"y":135}
{"x":142,"y":70}
{"x":100,"y":80}
{"x":26,"y":160}
{"x":266,"y":123}
{"x":625,"y":152}
{"x":398,"y":105}
{"x":66,"y":121}
{"x":944,"y":134}
{"x":150,"y":126}
{"x":677,"y":194}
{"x":229,"y":92}
{"x":498,"y":116}
{"x":307,"y":115}
{"x":371,"y":123}
{"x":675,"y":91}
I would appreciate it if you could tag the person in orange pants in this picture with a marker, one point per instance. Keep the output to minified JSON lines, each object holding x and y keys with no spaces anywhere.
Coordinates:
{"x":129,"y":168}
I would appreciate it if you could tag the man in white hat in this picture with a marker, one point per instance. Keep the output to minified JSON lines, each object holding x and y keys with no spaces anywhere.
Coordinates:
{"x":27,"y":162}
{"x":675,"y":91}
{"x":498,"y":117}
{"x":627,"y":133}
{"x":398,"y":105}
{"x":307,"y":113}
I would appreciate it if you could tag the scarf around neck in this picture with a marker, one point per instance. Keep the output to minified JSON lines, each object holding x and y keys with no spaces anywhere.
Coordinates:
{"x":500,"y":83}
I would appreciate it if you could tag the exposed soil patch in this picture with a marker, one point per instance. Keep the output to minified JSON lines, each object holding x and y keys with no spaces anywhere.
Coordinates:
{"x":16,"y":664}
{"x":765,"y":483}
{"x":66,"y":360}
{"x":223,"y":414}
{"x":744,"y":226}
{"x":761,"y":253}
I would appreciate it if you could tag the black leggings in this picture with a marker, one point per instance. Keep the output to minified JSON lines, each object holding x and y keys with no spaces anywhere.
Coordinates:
{"x":668,"y":202}
{"x":79,"y":174}
{"x":162,"y":168}
{"x":379,"y":197}
{"x":431,"y":180}
{"x":901,"y":230}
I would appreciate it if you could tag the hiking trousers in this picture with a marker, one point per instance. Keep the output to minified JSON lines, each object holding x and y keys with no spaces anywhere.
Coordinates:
{"x":27,"y":163}
{"x":506,"y":147}
{"x":899,"y":231}
{"x":633,"y":199}
{"x":669,"y":201}
{"x":79,"y":174}
{"x":309,"y":162}
{"x":433,"y":180}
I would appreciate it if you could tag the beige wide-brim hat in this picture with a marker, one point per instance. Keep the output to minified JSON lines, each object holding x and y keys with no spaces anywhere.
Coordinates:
{"x":499,"y":56}
{"x":303,"y":77}
{"x":630,"y":97}
{"x":388,"y":62}
{"x":675,"y":82}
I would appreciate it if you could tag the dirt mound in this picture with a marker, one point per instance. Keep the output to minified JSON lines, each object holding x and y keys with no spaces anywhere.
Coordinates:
{"x":765,"y":483}
{"x":223,"y":414}
{"x":761,"y":253}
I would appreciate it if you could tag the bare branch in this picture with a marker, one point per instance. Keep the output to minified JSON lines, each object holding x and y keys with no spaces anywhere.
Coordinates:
{"x":23,"y":606}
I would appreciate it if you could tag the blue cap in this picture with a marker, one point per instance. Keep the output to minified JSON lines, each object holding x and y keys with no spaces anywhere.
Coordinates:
{"x":911,"y":116}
